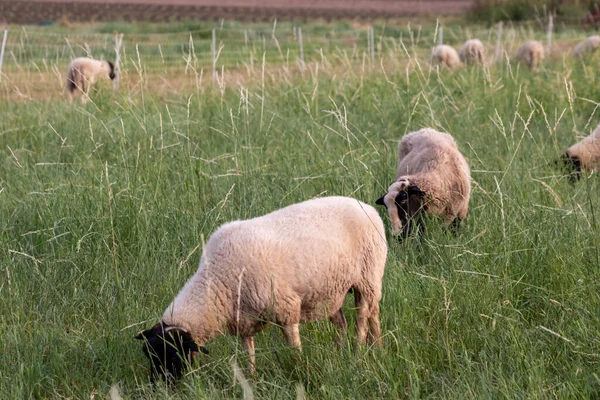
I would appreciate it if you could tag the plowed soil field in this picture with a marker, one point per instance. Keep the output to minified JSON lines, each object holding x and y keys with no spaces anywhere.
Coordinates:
{"x":32,"y":12}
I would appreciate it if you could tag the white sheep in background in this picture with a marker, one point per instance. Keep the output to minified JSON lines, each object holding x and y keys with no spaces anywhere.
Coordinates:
{"x":472,"y":52}
{"x":83,"y":73}
{"x":432,"y":178}
{"x":584,"y":155}
{"x":587,"y":46}
{"x":531,"y":53}
{"x":290,"y":266}
{"x":446,"y":56}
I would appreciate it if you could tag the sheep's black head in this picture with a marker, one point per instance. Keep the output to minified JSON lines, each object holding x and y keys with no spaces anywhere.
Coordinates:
{"x":111,"y":74}
{"x":410,"y":202}
{"x":571,"y":164}
{"x":169,"y":349}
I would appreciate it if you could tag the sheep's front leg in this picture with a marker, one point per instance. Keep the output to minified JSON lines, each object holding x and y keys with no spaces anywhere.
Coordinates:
{"x":292,"y":335}
{"x":248,"y":345}
{"x":339,"y":320}
{"x":86,"y":92}
{"x":455,"y":226}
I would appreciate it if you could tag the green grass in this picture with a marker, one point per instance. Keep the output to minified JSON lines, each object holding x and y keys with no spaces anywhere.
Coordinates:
{"x":102,"y":206}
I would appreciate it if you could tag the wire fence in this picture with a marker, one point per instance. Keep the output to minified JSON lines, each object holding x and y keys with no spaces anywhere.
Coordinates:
{"x":42,"y":56}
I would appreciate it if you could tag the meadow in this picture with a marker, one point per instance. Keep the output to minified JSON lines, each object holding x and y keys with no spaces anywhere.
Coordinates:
{"x":105,"y":207}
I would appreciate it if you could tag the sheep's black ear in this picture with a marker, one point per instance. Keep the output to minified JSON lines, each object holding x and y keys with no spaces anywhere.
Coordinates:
{"x":145,"y":335}
{"x":204,"y":349}
{"x":380,"y":201}
{"x":414,"y":190}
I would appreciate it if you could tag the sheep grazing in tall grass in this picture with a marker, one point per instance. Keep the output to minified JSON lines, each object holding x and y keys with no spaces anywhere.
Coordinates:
{"x":583,"y":156}
{"x":446,"y":56}
{"x":82,"y":74}
{"x":290,"y":266}
{"x":472,"y":52}
{"x":433,"y":178}
{"x":587,"y":46}
{"x":531,"y":53}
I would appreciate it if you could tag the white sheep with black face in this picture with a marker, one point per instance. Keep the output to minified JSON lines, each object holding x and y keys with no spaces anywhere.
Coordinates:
{"x":587,"y":46}
{"x":531,"y":53}
{"x":583,"y":156}
{"x":82,"y":74}
{"x":446,"y":56}
{"x":290,"y":266}
{"x":432,"y":178}
{"x":472,"y":52}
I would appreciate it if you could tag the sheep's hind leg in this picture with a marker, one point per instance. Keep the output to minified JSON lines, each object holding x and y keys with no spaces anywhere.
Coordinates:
{"x":248,"y":344}
{"x":374,"y":328}
{"x":363,"y":314}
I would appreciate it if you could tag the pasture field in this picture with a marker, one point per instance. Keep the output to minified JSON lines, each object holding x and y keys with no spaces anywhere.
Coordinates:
{"x":104,"y":209}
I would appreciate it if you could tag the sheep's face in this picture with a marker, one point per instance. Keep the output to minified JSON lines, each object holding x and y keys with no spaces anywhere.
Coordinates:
{"x":169,"y":349}
{"x":572,"y":164}
{"x":405,"y":204}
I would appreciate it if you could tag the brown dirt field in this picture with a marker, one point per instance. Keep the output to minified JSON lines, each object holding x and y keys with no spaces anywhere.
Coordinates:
{"x":31,"y":12}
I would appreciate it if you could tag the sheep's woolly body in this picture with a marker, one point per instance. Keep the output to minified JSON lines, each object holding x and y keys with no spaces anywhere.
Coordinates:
{"x":531,"y":53}
{"x":587,"y":152}
{"x":472,"y":52}
{"x":293,"y":265}
{"x":83,"y":73}
{"x":587,"y":46}
{"x":446,"y":56}
{"x":431,"y":161}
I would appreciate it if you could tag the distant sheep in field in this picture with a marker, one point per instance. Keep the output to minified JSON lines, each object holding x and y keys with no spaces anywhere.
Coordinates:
{"x":472,"y":52}
{"x":587,"y":46}
{"x":83,"y":73}
{"x":433,"y":178}
{"x":446,"y":56}
{"x":290,"y":266}
{"x":531,"y":53}
{"x":583,"y":156}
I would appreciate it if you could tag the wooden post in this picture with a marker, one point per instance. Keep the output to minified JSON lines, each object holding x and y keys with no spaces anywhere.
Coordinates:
{"x":118,"y":43}
{"x":2,"y":51}
{"x":499,"y":41}
{"x":550,"y":27}
{"x":214,"y":55}
{"x":372,"y":44}
{"x":302,"y":65}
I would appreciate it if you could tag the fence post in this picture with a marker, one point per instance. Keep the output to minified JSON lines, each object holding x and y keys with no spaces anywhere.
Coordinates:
{"x":2,"y":51}
{"x":441,"y":36}
{"x":118,"y":43}
{"x":499,"y":40}
{"x":301,"y":49}
{"x":372,"y":43}
{"x":214,"y":55}
{"x":550,"y":26}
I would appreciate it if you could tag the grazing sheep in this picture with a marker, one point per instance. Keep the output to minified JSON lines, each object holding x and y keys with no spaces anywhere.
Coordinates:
{"x":446,"y":56}
{"x":82,"y":74}
{"x":432,"y":178}
{"x":531,"y":54}
{"x":584,"y":155}
{"x":290,"y":266}
{"x":587,"y":46}
{"x":472,"y":52}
